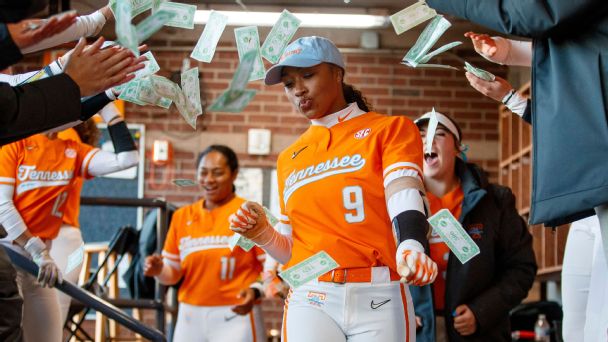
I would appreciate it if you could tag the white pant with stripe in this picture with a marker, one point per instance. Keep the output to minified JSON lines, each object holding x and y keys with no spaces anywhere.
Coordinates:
{"x":218,"y":324}
{"x":380,"y":310}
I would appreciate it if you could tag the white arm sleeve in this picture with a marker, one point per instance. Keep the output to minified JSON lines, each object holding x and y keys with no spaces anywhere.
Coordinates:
{"x":104,"y":162}
{"x":512,"y":52}
{"x":85,"y":26}
{"x":10,"y":218}
{"x":406,"y":199}
{"x":279,"y":246}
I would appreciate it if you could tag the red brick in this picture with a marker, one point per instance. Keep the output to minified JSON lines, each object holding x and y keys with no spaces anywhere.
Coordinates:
{"x":229,"y":117}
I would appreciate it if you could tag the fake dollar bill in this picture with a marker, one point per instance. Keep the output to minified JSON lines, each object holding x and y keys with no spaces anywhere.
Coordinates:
{"x":452,"y":233}
{"x":430,"y":132}
{"x":147,"y":27}
{"x":236,"y":97}
{"x":137,"y":6}
{"x":191,"y":88}
{"x":241,"y":241}
{"x":484,"y":75}
{"x":412,"y":16}
{"x":280,"y":35}
{"x":419,"y":54}
{"x":184,"y":14}
{"x":166,"y":88}
{"x":129,"y":93}
{"x":309,"y":269}
{"x":147,"y":94}
{"x":184,"y":182}
{"x":150,"y":67}
{"x":248,"y":40}
{"x":125,"y":31}
{"x":207,"y":42}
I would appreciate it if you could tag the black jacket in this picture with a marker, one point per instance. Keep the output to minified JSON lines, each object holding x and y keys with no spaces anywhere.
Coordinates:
{"x":569,"y":97}
{"x":496,"y":280}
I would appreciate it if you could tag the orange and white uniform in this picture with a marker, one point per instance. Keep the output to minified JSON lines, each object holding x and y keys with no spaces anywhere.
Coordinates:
{"x":213,"y":276}
{"x":332,"y":194}
{"x":42,"y":171}
{"x":439,"y":250}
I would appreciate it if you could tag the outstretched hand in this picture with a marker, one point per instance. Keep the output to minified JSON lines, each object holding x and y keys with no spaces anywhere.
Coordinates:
{"x":31,"y":31}
{"x":496,"y":89}
{"x":483,"y":44}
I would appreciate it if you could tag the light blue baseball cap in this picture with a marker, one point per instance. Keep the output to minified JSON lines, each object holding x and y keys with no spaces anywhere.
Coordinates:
{"x":305,"y":52}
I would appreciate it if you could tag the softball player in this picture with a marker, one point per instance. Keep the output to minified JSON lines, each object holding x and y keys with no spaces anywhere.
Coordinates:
{"x":219,"y":286}
{"x":36,"y":175}
{"x":351,"y":186}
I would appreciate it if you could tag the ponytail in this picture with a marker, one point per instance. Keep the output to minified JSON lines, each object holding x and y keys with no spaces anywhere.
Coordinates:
{"x":353,"y":95}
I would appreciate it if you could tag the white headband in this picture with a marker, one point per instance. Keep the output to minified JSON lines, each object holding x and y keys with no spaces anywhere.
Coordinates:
{"x":442,"y":119}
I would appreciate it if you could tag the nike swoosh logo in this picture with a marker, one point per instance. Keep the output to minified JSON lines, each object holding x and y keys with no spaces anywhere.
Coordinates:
{"x":374,"y":306}
{"x":226,"y":319}
{"x":295,"y":154}
{"x":342,"y":118}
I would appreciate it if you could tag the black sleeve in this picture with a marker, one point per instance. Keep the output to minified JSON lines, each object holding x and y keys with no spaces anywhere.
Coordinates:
{"x":93,"y":105}
{"x":10,"y":52}
{"x":535,"y":19}
{"x":412,"y":225}
{"x":515,"y":263}
{"x":37,"y":107}
{"x":528,"y":112}
{"x":121,"y":137}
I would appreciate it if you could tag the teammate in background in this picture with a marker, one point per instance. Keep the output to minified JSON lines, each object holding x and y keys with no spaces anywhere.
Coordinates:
{"x":36,"y":175}
{"x":219,"y":289}
{"x":584,"y":299}
{"x":471,"y":302}
{"x":351,"y":186}
{"x":69,"y":241}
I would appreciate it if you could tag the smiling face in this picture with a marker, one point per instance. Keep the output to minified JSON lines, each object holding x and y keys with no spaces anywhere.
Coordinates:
{"x":314,"y":91}
{"x":440,"y":164}
{"x":216,"y":179}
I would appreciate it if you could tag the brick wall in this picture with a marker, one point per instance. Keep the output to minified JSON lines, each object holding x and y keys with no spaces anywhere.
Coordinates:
{"x":390,"y":87}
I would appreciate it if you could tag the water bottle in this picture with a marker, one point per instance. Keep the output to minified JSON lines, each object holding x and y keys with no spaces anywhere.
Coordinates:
{"x":542,"y":329}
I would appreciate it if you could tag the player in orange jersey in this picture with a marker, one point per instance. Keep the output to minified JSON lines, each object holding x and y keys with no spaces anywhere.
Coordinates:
{"x":219,"y":286}
{"x":68,"y":246}
{"x":471,"y":302}
{"x":351,"y":186}
{"x":36,"y":175}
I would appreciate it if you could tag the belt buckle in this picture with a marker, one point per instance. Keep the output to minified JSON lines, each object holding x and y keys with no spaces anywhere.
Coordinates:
{"x":333,"y":275}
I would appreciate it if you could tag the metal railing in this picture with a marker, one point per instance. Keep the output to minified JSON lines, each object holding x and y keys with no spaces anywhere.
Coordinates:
{"x":90,"y":300}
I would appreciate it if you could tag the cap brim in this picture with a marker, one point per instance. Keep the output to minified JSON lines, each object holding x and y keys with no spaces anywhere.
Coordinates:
{"x":273,"y":75}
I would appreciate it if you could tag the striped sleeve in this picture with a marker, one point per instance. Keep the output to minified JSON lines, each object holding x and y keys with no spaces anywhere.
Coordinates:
{"x":170,"y":251}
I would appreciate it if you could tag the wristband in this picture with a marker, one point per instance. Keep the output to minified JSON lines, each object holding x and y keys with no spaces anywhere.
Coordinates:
{"x":508,"y":96}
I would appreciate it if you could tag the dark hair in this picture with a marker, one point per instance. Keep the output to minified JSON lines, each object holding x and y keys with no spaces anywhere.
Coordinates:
{"x":351,"y":94}
{"x":227,"y":152}
{"x":88,"y":132}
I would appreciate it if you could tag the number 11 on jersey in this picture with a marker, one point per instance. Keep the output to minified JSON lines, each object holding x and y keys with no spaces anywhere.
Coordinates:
{"x":352,"y":197}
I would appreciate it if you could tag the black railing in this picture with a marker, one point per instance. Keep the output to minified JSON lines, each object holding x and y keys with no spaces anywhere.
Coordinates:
{"x":90,"y":300}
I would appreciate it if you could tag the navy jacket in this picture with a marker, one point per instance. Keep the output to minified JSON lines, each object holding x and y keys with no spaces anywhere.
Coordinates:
{"x":569,"y":96}
{"x":496,"y":280}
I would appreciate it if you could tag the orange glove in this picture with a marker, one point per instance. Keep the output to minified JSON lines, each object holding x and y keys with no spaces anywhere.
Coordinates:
{"x":250,"y":221}
{"x":415,"y":267}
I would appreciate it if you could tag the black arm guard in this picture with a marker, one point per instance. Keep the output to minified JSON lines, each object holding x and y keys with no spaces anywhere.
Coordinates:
{"x":121,"y":138}
{"x":411,"y":224}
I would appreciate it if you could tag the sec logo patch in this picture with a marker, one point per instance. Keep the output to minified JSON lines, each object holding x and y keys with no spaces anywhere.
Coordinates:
{"x":70,"y":153}
{"x":363,"y":133}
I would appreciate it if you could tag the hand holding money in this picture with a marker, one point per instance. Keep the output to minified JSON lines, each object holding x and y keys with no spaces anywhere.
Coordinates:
{"x":250,"y":221}
{"x":483,"y":44}
{"x":415,"y":267}
{"x":496,"y":89}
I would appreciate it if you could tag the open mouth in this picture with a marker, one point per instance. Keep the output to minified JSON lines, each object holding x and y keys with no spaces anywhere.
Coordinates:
{"x":431,"y":158}
{"x":305,"y":104}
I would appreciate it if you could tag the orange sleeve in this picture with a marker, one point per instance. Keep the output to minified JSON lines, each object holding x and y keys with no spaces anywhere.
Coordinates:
{"x":9,"y":158}
{"x":171,"y":247}
{"x":401,"y":146}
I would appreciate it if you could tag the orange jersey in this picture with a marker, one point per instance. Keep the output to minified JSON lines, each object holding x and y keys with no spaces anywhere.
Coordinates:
{"x":71,"y":211}
{"x":440,"y":251}
{"x":42,"y":172}
{"x":331,"y":186}
{"x":197,"y":243}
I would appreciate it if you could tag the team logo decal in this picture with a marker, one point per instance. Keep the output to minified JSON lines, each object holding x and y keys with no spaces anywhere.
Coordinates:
{"x":363,"y":133}
{"x":475,"y":231}
{"x":70,"y":153}
{"x":316,"y":298}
